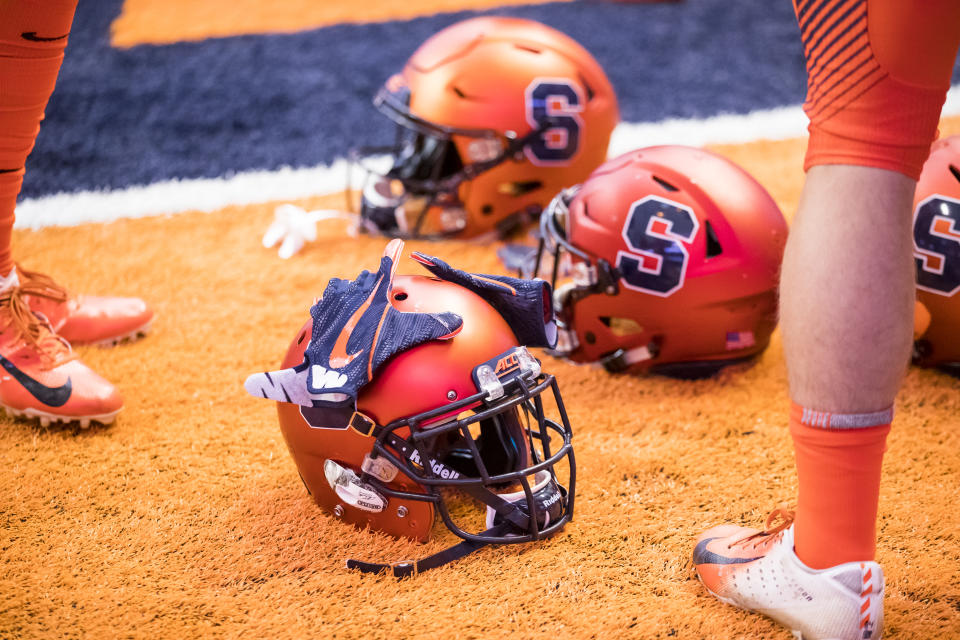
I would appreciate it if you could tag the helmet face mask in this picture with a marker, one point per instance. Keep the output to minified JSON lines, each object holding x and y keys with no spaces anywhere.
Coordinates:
{"x":518,"y":447}
{"x":573,"y":273}
{"x":665,"y":260}
{"x":494,"y":115}
{"x":419,"y":195}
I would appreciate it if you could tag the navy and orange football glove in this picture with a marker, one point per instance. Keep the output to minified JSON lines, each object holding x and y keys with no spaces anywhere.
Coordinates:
{"x":526,"y":305}
{"x":355,"y":330}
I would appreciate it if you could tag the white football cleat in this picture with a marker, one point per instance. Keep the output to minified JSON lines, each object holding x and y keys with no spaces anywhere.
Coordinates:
{"x":759,"y":571}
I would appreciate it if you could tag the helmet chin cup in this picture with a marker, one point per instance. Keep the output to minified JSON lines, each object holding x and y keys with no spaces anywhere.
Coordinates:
{"x":546,"y":495}
{"x":383,"y":205}
{"x":387,"y":208}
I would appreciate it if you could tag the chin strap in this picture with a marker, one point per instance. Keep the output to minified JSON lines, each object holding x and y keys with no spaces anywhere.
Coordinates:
{"x":513,"y":521}
{"x":413,"y":567}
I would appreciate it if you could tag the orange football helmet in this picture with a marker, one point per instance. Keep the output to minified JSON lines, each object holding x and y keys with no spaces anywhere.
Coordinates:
{"x":495,"y":115}
{"x":468,"y":413}
{"x":666,"y":259}
{"x":936,"y":251}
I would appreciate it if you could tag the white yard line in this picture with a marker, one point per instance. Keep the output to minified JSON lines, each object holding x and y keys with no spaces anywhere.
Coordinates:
{"x":210,"y":194}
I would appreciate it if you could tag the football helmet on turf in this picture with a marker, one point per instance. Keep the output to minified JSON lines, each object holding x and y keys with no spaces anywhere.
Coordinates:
{"x":495,"y":115}
{"x":936,"y":252}
{"x":665,"y":259}
{"x":473,"y":413}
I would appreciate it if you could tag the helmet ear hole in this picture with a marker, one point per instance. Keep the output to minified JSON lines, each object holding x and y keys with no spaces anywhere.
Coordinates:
{"x":666,"y":185}
{"x":622,"y":327}
{"x":520,"y":188}
{"x":714,"y":248}
{"x":955,"y":172}
{"x":586,"y":85}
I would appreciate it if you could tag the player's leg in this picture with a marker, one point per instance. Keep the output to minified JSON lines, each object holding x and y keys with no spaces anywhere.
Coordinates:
{"x":848,"y":284}
{"x":847,"y":321}
{"x":878,"y":73}
{"x":40,"y":376}
{"x":33,"y":35}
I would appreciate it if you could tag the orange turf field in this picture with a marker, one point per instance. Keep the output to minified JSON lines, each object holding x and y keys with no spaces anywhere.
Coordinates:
{"x":186,"y":519}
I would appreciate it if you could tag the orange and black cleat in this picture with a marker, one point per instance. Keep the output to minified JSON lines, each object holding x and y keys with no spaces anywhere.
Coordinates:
{"x":41,"y":377}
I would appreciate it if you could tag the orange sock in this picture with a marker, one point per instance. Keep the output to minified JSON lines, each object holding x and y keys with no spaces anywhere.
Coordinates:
{"x":33,"y":35}
{"x":838,"y":465}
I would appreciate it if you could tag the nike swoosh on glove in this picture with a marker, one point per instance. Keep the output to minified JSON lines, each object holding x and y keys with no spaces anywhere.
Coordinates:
{"x":355,"y":330}
{"x":526,"y":305}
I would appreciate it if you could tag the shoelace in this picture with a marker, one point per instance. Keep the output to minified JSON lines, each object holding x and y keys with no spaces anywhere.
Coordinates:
{"x":781,"y":512}
{"x":33,"y":328}
{"x":38,"y":284}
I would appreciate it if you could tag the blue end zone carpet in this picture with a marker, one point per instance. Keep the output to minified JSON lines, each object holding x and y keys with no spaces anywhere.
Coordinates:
{"x":212,"y":108}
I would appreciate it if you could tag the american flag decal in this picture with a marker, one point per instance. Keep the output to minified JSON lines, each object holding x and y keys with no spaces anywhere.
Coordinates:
{"x":739,"y":340}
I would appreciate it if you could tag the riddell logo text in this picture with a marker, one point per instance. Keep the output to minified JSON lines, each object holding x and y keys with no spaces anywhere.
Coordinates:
{"x":438,"y":467}
{"x":506,"y":364}
{"x":551,"y":500}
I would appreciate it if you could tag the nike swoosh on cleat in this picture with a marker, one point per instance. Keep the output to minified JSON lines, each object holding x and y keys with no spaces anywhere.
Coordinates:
{"x":702,"y":555}
{"x":33,"y":37}
{"x":50,"y":396}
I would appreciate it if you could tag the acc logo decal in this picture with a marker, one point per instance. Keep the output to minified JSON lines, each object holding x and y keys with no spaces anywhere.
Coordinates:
{"x":506,"y":364}
{"x":656,"y":230}
{"x":936,"y":245}
{"x":553,"y":107}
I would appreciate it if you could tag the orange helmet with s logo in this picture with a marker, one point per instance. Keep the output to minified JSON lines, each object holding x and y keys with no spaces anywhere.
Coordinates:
{"x":495,"y":115}
{"x":665,"y":259}
{"x":473,"y":413}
